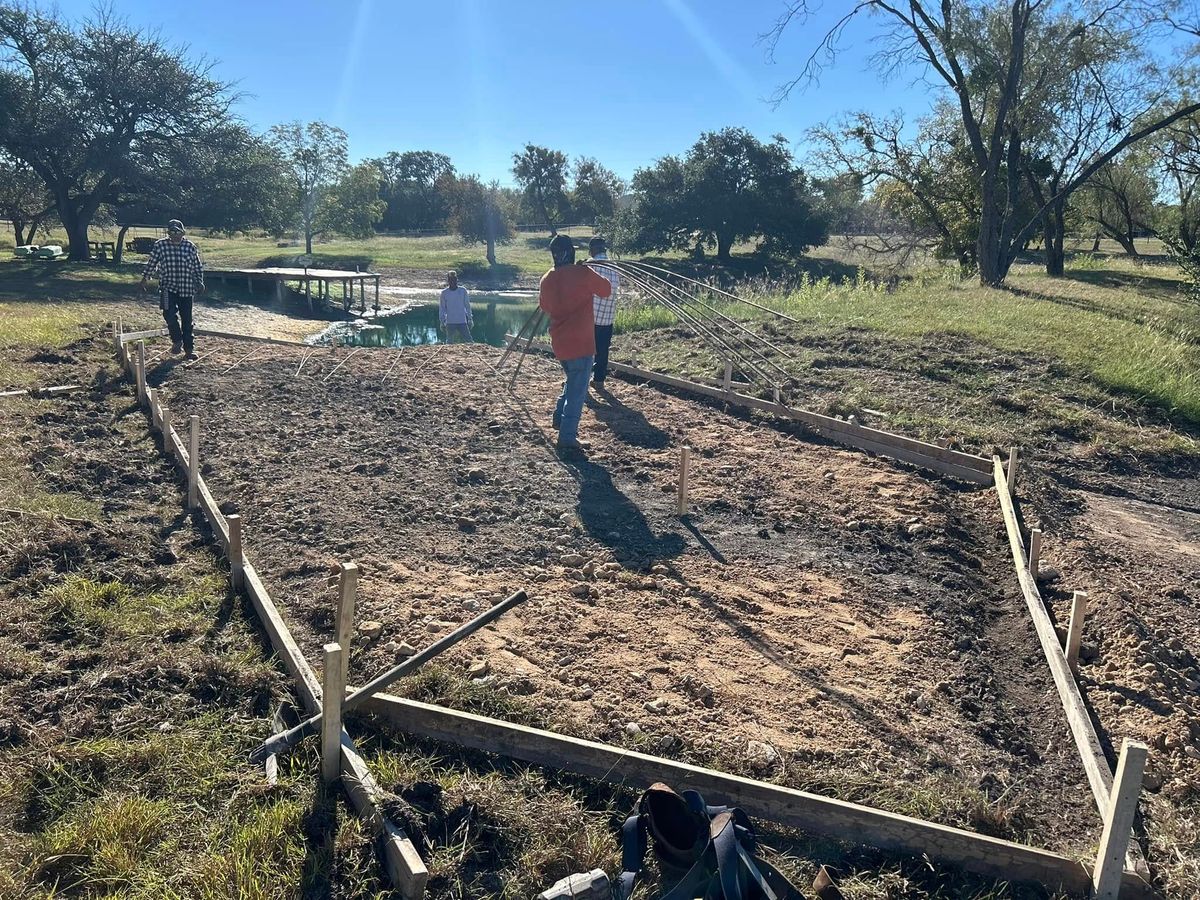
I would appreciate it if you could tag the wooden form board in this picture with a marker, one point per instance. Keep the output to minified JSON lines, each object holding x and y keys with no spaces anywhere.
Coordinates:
{"x":128,"y":336}
{"x":1087,"y":741}
{"x":404,"y":864}
{"x":1095,"y":763}
{"x":884,"y":443}
{"x":798,"y":809}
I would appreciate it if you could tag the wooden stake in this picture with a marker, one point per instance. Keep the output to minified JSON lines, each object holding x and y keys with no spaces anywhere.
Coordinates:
{"x":347,"y":592}
{"x":683,"y":480}
{"x":237,"y":561}
{"x":168,"y":444}
{"x":1012,"y":471}
{"x":1075,"y":629}
{"x":141,"y":371}
{"x":153,"y":394}
{"x":333,"y":687}
{"x":728,"y":382}
{"x":1118,"y":820}
{"x":193,"y":462}
{"x":1035,"y":551}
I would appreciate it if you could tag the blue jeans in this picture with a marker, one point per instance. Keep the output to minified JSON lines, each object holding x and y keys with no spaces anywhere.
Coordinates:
{"x":570,"y":403}
{"x":459,"y":333}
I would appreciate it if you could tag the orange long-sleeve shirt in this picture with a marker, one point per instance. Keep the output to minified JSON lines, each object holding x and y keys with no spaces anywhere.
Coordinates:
{"x":566,"y":296}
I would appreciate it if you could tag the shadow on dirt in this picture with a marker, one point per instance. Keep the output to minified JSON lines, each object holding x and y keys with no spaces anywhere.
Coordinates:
{"x":628,"y":425}
{"x":612,"y":519}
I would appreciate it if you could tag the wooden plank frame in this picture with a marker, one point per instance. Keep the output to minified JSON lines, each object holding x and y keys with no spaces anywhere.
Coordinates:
{"x":404,"y":865}
{"x":1079,"y":721}
{"x":787,"y":806}
{"x":960,"y":465}
{"x":852,"y":822}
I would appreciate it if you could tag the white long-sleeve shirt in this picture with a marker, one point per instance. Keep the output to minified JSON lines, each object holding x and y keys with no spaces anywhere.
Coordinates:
{"x":604,"y":309}
{"x":455,"y":308}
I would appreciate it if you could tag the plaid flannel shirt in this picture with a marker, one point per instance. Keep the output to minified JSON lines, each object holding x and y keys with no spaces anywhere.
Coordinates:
{"x":178,"y":265}
{"x":604,"y":309}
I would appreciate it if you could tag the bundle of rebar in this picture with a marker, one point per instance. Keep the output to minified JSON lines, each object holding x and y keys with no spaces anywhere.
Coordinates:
{"x":695,"y":305}
{"x":758,"y":359}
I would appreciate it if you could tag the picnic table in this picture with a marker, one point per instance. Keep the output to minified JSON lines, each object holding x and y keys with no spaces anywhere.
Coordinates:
{"x":102,"y":249}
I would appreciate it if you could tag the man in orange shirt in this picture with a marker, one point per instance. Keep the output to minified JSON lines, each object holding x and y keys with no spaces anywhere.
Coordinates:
{"x":566,"y":297}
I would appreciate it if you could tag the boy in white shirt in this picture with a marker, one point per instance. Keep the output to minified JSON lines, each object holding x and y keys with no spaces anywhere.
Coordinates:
{"x":454,"y":311}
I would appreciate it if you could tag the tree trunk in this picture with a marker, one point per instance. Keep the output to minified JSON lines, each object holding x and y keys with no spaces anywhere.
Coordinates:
{"x":307,"y":241}
{"x":1096,"y":243}
{"x":724,"y":245}
{"x":491,"y":250}
{"x":119,"y":255}
{"x":988,"y":245}
{"x":19,"y":232}
{"x":1126,"y":242}
{"x":76,"y":227}
{"x":1054,"y":228}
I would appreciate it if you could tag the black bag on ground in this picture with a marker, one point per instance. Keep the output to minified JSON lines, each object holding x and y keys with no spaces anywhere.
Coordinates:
{"x":710,"y":848}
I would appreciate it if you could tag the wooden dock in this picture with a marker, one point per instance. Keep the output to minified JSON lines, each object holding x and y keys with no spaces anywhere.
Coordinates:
{"x":305,"y":279}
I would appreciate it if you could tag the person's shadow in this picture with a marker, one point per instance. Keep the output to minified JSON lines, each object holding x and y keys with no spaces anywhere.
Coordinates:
{"x":612,"y":519}
{"x":627,"y":424}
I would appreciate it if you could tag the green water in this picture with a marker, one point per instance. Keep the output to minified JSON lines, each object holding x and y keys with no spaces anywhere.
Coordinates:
{"x":419,"y":325}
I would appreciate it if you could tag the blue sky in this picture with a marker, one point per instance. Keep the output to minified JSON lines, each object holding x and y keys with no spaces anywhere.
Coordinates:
{"x":625,"y":81}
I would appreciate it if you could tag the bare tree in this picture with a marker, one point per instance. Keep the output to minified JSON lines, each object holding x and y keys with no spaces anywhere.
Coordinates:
{"x":924,"y":199}
{"x":1001,"y":60}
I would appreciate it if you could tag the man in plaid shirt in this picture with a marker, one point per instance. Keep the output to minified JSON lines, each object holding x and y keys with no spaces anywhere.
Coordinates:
{"x":604,"y":311}
{"x":180,"y":281}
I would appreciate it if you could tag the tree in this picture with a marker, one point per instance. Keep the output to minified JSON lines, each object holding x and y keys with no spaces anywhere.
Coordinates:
{"x":926,"y":182}
{"x":729,"y":187}
{"x":596,"y":191}
{"x":542,"y":174}
{"x":352,"y":205}
{"x":235,"y":180}
{"x":415,"y":187}
{"x":92,"y":110}
{"x":1002,"y":60}
{"x":23,"y":199}
{"x":1121,"y":199}
{"x":316,"y":157}
{"x":481,"y":214}
{"x":1177,"y":152}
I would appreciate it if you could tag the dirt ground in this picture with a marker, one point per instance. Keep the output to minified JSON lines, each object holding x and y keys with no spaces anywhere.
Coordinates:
{"x":822,"y":618}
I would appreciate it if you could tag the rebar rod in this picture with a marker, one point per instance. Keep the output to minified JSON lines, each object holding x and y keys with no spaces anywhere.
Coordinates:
{"x":694,"y":322}
{"x":717,"y":290}
{"x":525,"y":352}
{"x":703,"y":332}
{"x":717,"y":314}
{"x":520,"y":334}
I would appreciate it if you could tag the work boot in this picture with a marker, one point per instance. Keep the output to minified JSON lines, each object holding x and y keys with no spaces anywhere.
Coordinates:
{"x":570,"y":450}
{"x":191,"y":354}
{"x":177,"y":347}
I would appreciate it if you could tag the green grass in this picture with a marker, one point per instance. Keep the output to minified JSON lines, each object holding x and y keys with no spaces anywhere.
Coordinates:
{"x":1121,"y":338}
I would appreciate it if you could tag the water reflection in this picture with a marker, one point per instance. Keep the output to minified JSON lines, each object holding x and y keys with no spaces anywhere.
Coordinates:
{"x":419,"y":325}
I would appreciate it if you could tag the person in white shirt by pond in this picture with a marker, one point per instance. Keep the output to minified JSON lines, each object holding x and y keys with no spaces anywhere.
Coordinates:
{"x":455,"y":311}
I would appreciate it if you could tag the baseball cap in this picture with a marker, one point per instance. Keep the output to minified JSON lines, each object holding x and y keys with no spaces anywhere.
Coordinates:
{"x":176,"y":225}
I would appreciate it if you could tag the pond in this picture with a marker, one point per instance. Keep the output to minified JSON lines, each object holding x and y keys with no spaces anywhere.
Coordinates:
{"x":419,"y":324}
